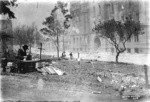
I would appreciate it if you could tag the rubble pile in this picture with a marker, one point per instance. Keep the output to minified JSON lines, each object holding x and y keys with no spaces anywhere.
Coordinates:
{"x":129,"y":86}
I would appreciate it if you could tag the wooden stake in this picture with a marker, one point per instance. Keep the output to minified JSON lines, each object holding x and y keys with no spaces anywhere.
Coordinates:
{"x":40,"y":50}
{"x":146,"y":75}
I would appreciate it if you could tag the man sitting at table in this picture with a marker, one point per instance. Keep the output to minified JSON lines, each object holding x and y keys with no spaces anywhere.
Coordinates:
{"x":29,"y":56}
{"x":21,"y":53}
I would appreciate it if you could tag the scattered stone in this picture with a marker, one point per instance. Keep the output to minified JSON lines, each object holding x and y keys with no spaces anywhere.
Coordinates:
{"x":99,"y":79}
{"x":44,"y":73}
{"x":96,"y":92}
{"x":98,"y":56}
{"x":129,"y":86}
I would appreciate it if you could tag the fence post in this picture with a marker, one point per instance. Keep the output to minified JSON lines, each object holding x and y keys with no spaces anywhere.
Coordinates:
{"x":146,"y":75}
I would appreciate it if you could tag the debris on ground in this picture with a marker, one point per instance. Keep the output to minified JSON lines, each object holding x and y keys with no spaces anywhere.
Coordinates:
{"x":99,"y":79}
{"x":96,"y":92}
{"x":135,"y":92}
{"x":46,"y":68}
{"x":129,"y":86}
{"x":9,"y":66}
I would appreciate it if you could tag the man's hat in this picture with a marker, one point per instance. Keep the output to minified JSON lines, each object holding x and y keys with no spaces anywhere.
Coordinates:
{"x":25,"y":47}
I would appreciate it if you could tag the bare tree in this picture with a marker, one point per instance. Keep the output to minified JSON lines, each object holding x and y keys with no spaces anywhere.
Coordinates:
{"x":25,"y":35}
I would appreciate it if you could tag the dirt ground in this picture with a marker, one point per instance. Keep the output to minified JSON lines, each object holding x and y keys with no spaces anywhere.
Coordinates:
{"x":77,"y":85}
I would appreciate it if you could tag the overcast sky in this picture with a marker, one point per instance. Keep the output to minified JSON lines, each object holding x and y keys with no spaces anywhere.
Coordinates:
{"x":31,"y":12}
{"x":34,"y":11}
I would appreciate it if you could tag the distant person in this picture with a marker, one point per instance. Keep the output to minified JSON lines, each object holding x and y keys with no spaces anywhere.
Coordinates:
{"x":79,"y":59}
{"x":78,"y":54}
{"x":29,"y":56}
{"x":71,"y":55}
{"x":22,"y":52}
{"x":63,"y":54}
{"x":25,"y":48}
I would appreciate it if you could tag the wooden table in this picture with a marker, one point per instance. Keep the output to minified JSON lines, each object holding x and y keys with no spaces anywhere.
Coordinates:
{"x":28,"y":66}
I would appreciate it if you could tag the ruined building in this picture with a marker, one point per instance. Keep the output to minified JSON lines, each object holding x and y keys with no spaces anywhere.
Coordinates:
{"x":86,"y":14}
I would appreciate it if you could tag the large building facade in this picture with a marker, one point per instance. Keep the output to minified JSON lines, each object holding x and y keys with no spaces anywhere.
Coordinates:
{"x":87,"y":14}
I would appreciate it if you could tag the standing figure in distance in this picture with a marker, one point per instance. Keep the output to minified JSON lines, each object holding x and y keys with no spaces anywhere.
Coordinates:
{"x":71,"y":55}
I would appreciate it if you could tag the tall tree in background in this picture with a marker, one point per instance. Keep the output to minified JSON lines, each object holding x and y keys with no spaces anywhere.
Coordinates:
{"x":118,"y":33}
{"x":19,"y":36}
{"x":30,"y":34}
{"x":55,"y":25}
{"x":25,"y":35}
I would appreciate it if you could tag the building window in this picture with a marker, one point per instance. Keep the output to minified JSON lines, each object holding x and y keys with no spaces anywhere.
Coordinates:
{"x":129,"y":40}
{"x":84,"y":23}
{"x":112,"y":7}
{"x":137,"y":16}
{"x":80,"y":49}
{"x":136,"y":50}
{"x":136,"y":38}
{"x":128,"y":50}
{"x":87,"y":24}
{"x":130,"y":5}
{"x":107,"y":12}
{"x":112,"y":50}
{"x":74,"y":40}
{"x":94,"y":12}
{"x":99,"y":9}
{"x":140,"y":50}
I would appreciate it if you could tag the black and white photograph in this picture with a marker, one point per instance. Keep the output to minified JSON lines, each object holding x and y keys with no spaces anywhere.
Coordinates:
{"x":74,"y":51}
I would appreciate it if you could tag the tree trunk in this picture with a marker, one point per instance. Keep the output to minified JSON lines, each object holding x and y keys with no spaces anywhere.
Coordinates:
{"x":117,"y":55}
{"x":63,"y":44}
{"x":30,"y":48}
{"x":40,"y":50}
{"x":3,"y":46}
{"x":57,"y":47}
